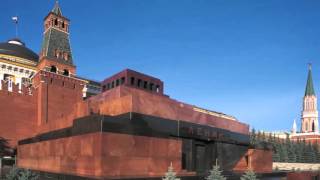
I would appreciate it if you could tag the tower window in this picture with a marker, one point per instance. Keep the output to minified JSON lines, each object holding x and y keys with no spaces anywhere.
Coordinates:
{"x":53,"y":69}
{"x":313,"y":128}
{"x":66,"y":72}
{"x":145,"y":85}
{"x":139,"y":82}
{"x":63,"y":25}
{"x":56,"y":22}
{"x":132,"y":80}
{"x":151,"y":86}
{"x":123,"y":79}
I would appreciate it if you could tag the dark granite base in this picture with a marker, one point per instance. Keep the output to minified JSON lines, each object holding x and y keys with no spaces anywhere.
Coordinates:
{"x":228,"y":175}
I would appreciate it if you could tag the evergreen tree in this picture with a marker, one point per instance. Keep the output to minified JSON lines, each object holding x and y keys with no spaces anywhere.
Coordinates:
{"x":292,"y":158}
{"x":28,"y":175}
{"x":263,"y":137}
{"x":270,"y":139}
{"x":170,"y":175}
{"x":253,"y":137}
{"x":317,"y":152}
{"x":298,"y":151}
{"x":21,"y":174}
{"x":283,"y":153}
{"x":276,"y":155}
{"x":303,"y":149}
{"x":314,"y":153}
{"x":259,"y":138}
{"x":12,"y":174}
{"x":309,"y":153}
{"x":215,"y":174}
{"x":249,"y":175}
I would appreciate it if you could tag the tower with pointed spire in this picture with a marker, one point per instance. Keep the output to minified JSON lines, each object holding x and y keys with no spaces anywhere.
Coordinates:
{"x":309,"y":119}
{"x":56,"y":55}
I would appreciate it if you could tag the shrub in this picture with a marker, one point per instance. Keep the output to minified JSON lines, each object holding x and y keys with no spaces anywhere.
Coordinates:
{"x":215,"y":174}
{"x":21,"y":174}
{"x":249,"y":175}
{"x":170,"y":175}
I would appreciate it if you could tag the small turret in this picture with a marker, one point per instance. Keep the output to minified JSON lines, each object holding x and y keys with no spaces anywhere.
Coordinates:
{"x":294,"y":127}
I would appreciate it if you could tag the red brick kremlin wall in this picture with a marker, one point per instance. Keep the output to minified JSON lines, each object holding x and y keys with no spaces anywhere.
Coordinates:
{"x":309,"y":138}
{"x":17,"y":113}
{"x":50,"y":106}
{"x":57,"y":99}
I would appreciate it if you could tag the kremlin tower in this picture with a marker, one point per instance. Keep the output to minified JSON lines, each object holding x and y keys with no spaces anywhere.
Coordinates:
{"x":309,"y":116}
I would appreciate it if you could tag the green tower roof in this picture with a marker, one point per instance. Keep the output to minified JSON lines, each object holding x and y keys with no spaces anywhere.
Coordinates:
{"x":309,"y":87}
{"x":56,"y":9}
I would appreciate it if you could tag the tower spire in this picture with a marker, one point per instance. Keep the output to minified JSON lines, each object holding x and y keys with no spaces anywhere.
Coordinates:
{"x":309,"y":87}
{"x":56,"y":9}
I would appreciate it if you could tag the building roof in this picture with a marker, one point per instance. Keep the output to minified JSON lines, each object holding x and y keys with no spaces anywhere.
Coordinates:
{"x":16,"y":47}
{"x":90,"y":81}
{"x":309,"y":87}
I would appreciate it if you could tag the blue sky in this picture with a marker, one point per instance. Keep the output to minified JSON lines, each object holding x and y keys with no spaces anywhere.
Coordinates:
{"x":246,"y":58}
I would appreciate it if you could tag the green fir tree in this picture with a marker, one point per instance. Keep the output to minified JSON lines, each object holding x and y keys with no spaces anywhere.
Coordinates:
{"x":28,"y":175}
{"x":253,"y":137}
{"x":249,"y":175}
{"x":215,"y":174}
{"x":283,"y":153}
{"x":21,"y":174}
{"x":170,"y":175}
{"x":292,"y":158}
{"x":276,"y":155}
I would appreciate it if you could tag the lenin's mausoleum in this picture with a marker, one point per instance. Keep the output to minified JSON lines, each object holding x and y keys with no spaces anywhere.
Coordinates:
{"x":122,"y":127}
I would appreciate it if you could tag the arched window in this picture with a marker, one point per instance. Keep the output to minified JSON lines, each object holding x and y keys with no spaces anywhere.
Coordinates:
{"x":57,"y":53}
{"x":65,"y":56}
{"x":66,"y":72}
{"x":53,"y":69}
{"x":306,"y":126}
{"x":56,"y":22}
{"x":313,"y":126}
{"x":63,"y":25}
